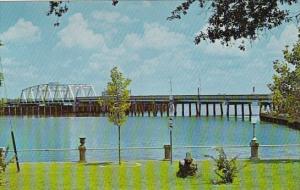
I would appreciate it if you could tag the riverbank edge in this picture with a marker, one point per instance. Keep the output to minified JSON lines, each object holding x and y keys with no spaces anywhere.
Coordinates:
{"x":280,"y":120}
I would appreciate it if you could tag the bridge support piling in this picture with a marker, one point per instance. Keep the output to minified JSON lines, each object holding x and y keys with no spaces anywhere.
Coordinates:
{"x":207,"y":110}
{"x":143,"y":109}
{"x":197,"y":109}
{"x":250,"y":112}
{"x":221,"y":109}
{"x":182,"y":109}
{"x":148,"y":110}
{"x":235,"y":110}
{"x":243,"y":116}
{"x":227,"y":112}
{"x":161,"y":110}
{"x":190,"y":110}
{"x":175,"y":110}
{"x":214,"y":109}
{"x":168,"y":113}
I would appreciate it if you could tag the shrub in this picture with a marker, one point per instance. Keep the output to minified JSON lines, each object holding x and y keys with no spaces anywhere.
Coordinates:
{"x":226,"y":169}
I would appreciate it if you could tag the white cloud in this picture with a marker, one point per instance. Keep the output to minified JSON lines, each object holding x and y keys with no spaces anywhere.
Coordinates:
{"x":288,"y":37}
{"x":147,"y":3}
{"x":78,"y":34}
{"x":23,"y":31}
{"x":112,"y":17}
{"x":155,"y":36}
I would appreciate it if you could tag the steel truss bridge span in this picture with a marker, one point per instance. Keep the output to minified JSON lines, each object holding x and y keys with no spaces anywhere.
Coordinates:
{"x":55,"y":92}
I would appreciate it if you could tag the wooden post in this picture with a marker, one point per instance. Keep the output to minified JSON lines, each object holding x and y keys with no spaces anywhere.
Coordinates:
{"x":207,"y":110}
{"x":161,"y":110}
{"x":190,"y":109}
{"x":243,"y":116}
{"x":214,"y":109}
{"x":182,"y":109}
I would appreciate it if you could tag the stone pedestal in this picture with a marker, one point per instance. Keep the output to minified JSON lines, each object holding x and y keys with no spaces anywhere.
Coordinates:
{"x":254,"y":149}
{"x":167,"y":152}
{"x":82,"y":150}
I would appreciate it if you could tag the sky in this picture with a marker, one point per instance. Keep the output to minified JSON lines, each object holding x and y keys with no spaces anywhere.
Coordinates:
{"x":93,"y":37}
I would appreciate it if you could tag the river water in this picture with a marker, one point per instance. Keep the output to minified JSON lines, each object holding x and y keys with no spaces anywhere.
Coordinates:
{"x":64,"y":133}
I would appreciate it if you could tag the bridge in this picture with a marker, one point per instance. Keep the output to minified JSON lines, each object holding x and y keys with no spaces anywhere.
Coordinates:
{"x":56,"y":99}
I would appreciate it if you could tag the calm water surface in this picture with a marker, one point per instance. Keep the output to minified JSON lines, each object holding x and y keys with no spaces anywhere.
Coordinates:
{"x":46,"y":133}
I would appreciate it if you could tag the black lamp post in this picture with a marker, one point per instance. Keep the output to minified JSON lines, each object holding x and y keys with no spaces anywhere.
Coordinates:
{"x":171,"y":143}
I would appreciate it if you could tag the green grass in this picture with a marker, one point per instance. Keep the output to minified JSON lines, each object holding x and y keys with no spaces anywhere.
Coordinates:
{"x":276,"y":174}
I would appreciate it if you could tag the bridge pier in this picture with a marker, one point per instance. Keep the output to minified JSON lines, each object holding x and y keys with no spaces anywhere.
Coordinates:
{"x":161,"y":110}
{"x":190,"y":109}
{"x":182,"y":109}
{"x":207,"y":110}
{"x":227,"y":112}
{"x":143,"y":109}
{"x":250,"y":112}
{"x":235,"y":110}
{"x":197,"y":109}
{"x":243,"y":111}
{"x":148,"y":109}
{"x":214,"y":109}
{"x":168,"y":113}
{"x":221,"y":109}
{"x":175,"y":109}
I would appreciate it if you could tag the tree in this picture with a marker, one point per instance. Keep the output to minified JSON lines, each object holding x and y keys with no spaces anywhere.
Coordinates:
{"x":117,"y":99}
{"x":286,"y":83}
{"x":229,"y":20}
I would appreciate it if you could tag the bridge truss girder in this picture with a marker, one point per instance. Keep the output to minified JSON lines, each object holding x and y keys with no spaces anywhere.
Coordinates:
{"x":55,"y":92}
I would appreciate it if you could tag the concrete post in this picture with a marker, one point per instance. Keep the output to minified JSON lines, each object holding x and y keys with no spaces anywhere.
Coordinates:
{"x":82,"y":150}
{"x":167,"y":152}
{"x":254,"y":149}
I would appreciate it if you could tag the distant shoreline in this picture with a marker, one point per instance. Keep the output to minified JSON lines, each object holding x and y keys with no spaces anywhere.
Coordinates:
{"x":280,"y":120}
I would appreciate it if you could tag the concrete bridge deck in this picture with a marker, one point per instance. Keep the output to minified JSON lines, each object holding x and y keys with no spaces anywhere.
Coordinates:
{"x":140,"y":105}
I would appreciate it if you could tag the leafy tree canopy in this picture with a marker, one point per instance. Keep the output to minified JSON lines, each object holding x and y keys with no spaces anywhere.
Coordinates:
{"x":286,"y":82}
{"x":231,"y":20}
{"x":118,"y":97}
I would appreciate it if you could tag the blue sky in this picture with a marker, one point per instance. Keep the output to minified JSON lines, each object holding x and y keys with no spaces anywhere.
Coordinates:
{"x":135,"y":36}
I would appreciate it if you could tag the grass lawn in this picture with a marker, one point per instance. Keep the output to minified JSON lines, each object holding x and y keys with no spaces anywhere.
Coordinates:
{"x":154,"y":175}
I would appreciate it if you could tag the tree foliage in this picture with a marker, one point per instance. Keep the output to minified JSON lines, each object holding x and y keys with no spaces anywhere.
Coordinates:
{"x":118,"y":97}
{"x":286,"y":82}
{"x":231,"y":20}
{"x":57,"y":8}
